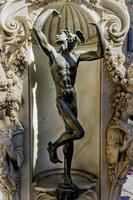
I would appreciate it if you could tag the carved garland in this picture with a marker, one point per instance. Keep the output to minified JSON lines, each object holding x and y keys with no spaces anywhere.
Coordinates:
{"x":15,"y":31}
{"x":120,"y":129}
{"x":119,"y":133}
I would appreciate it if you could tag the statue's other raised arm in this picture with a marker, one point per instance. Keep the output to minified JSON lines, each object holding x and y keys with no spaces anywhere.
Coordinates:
{"x":99,"y":53}
{"x":40,"y":37}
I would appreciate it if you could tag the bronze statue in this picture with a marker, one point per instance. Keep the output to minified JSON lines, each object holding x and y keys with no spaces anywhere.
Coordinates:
{"x":64,"y":64}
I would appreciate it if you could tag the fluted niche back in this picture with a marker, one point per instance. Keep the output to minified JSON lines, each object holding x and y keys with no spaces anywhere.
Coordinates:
{"x":73,"y":16}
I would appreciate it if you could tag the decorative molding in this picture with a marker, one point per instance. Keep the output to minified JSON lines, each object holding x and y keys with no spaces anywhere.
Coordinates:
{"x":119,"y":149}
{"x":87,"y":190}
{"x":116,"y":22}
{"x":15,"y":31}
{"x":89,"y":195}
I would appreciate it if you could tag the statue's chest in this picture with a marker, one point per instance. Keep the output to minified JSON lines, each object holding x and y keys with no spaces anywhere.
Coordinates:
{"x":72,"y":63}
{"x":65,"y":68}
{"x":71,"y":60}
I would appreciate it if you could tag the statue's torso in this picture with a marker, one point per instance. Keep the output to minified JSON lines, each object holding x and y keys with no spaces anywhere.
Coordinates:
{"x":64,"y":73}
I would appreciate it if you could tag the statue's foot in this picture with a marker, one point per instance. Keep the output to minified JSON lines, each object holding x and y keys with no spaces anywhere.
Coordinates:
{"x":73,"y":186}
{"x":53,"y":154}
{"x":69,"y":183}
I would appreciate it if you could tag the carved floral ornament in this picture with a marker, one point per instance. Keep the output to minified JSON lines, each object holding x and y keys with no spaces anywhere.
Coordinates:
{"x":120,"y":128}
{"x":13,"y":64}
{"x":14,"y":43}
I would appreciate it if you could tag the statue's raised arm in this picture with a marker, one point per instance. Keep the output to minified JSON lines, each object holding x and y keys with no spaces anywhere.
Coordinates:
{"x":39,"y":35}
{"x":99,"y":53}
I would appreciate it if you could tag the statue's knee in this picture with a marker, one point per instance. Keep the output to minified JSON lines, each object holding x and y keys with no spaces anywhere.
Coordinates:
{"x":65,"y":150}
{"x":81,"y":134}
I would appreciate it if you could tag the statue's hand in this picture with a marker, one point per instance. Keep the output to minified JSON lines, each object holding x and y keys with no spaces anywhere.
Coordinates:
{"x":42,"y":17}
{"x":56,"y":13}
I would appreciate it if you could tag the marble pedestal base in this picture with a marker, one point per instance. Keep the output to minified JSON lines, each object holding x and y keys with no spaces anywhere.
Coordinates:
{"x":66,"y":193}
{"x":46,"y":186}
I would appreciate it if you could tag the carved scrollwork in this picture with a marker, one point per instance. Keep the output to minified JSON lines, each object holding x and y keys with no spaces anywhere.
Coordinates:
{"x":117,"y":22}
{"x":120,"y":131}
{"x":16,"y":28}
{"x":15,"y":31}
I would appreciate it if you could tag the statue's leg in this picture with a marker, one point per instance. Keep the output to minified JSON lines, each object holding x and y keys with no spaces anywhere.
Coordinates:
{"x":68,"y":150}
{"x":70,"y":119}
{"x":72,"y":122}
{"x":68,"y":154}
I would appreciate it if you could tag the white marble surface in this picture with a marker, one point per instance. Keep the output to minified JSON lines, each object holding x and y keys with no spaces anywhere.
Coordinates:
{"x":128,"y":187}
{"x":2,"y":197}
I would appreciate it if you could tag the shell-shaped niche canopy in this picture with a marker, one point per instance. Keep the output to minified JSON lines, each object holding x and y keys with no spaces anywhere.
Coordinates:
{"x":73,"y":16}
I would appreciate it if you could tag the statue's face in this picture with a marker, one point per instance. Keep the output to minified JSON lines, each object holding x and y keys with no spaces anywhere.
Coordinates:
{"x":66,"y":40}
{"x":62,"y":40}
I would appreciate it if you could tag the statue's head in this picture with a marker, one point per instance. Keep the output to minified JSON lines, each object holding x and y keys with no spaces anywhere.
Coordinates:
{"x":68,"y":40}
